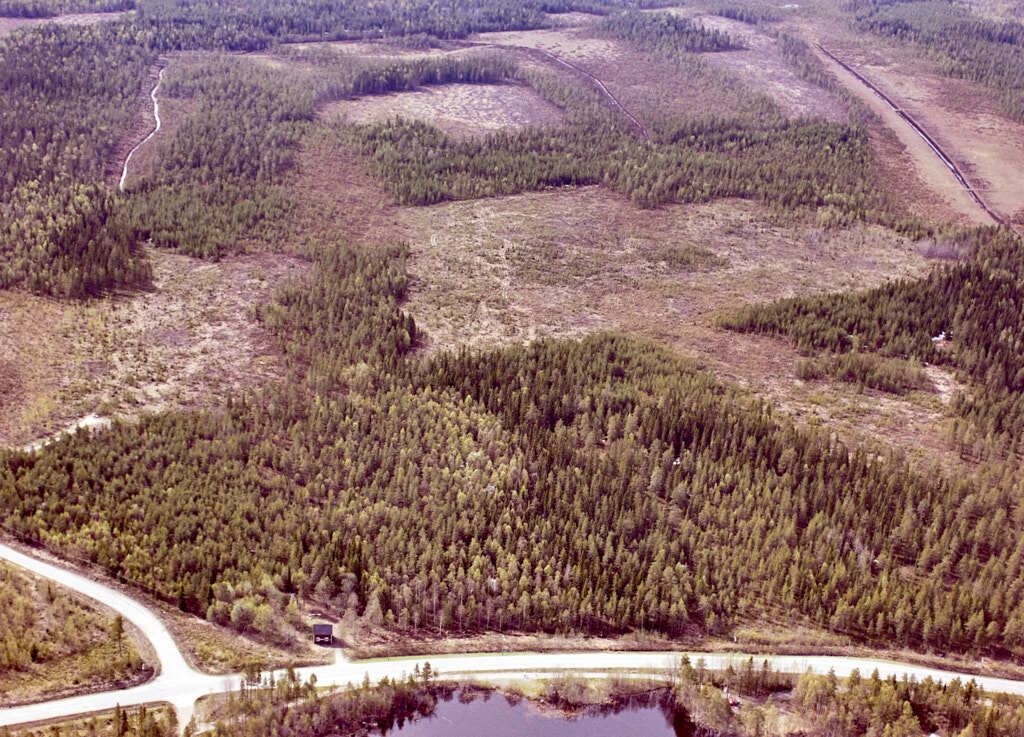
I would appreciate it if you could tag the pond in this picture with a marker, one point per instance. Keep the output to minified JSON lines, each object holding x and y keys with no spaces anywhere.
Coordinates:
{"x":487,"y":714}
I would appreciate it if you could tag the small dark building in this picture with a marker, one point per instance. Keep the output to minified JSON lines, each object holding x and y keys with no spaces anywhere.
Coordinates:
{"x":323,"y":634}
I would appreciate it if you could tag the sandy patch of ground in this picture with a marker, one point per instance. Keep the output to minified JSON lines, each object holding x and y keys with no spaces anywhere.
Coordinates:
{"x":461,"y":110}
{"x":368,"y":50}
{"x":566,"y":262}
{"x":190,"y":342}
{"x":9,"y":25}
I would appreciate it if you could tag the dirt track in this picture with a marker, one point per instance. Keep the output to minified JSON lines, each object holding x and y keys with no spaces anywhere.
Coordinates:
{"x":954,"y":169}
{"x":546,"y":56}
{"x":934,"y":168}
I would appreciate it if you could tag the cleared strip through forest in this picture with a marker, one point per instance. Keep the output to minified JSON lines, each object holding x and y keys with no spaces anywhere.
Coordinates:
{"x":920,"y":131}
{"x":548,"y":56}
{"x":144,"y":141}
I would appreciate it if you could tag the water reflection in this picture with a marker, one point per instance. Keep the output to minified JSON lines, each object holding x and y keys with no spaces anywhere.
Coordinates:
{"x":476,"y":713}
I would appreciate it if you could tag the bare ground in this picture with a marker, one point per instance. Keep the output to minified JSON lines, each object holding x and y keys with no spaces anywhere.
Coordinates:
{"x":9,"y":25}
{"x":461,"y":110}
{"x":189,"y":343}
{"x":962,"y":117}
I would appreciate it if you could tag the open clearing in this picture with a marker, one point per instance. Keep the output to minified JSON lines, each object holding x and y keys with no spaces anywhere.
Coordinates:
{"x":963,"y":117}
{"x":762,"y":66}
{"x":655,"y":88}
{"x":568,"y":263}
{"x":189,"y":343}
{"x":461,"y":110}
{"x":9,"y":25}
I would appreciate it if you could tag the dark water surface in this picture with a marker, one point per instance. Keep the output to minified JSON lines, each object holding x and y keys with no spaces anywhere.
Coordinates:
{"x":493,"y":715}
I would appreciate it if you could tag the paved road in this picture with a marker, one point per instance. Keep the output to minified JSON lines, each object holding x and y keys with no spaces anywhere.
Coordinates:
{"x":179,"y":684}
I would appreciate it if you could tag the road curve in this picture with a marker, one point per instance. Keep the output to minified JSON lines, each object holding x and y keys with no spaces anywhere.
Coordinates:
{"x":144,"y":141}
{"x":180,"y":685}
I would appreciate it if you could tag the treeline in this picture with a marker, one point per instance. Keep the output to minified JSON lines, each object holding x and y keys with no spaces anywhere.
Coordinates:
{"x":290,"y":708}
{"x":51,"y":8}
{"x":665,"y":33}
{"x":66,"y":97}
{"x":786,"y":164}
{"x":976,"y":304}
{"x":220,"y":24}
{"x":961,"y":43}
{"x":753,"y":13}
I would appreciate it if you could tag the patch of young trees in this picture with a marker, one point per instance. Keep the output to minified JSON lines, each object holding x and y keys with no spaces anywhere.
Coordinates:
{"x":41,"y":624}
{"x":51,"y":8}
{"x":791,"y":165}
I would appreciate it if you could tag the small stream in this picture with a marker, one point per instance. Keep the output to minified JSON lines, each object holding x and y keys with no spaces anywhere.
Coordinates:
{"x":492,"y":714}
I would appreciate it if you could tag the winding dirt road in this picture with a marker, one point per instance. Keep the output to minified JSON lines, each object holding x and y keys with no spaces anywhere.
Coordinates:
{"x":147,"y":139}
{"x":180,"y":685}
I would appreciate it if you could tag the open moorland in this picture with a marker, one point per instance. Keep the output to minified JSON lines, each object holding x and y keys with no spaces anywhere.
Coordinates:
{"x":455,"y":325}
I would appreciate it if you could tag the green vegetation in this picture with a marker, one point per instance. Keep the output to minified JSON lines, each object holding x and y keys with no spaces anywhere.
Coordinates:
{"x":826,"y":705}
{"x":976,"y":304}
{"x":802,"y":165}
{"x":961,"y":43}
{"x":52,"y":641}
{"x":66,"y":96}
{"x":866,"y":370}
{"x":290,"y":707}
{"x":141,"y":722}
{"x":666,"y":33}
{"x":598,"y":486}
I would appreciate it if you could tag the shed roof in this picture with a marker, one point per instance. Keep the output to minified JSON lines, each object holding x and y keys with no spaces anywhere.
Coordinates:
{"x":323,"y":629}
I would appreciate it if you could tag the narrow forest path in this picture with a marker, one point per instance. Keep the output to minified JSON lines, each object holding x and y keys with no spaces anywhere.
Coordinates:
{"x":935,"y":148}
{"x":147,"y":139}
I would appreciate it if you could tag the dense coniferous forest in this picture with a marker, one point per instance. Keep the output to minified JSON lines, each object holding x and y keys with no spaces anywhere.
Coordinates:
{"x":66,"y":96}
{"x":666,"y":33}
{"x":597,"y":486}
{"x":497,"y":490}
